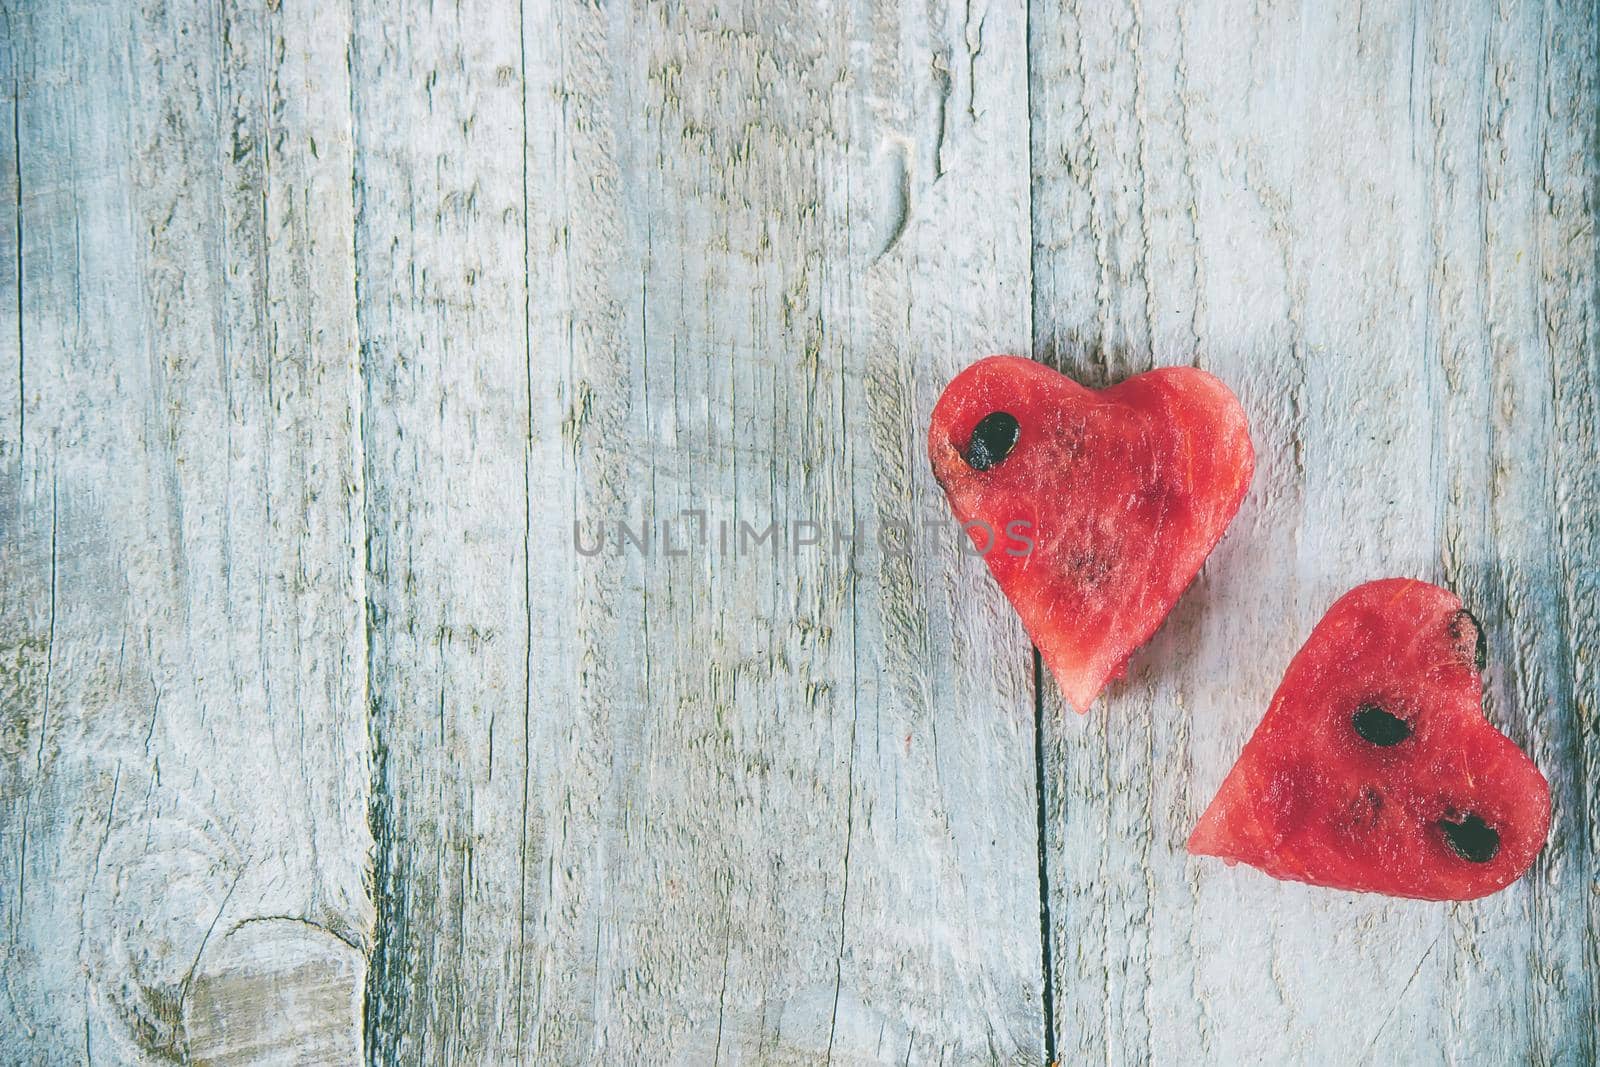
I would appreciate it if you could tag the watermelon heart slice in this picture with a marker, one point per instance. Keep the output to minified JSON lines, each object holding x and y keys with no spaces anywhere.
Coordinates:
{"x":1094,"y":508}
{"x":1374,"y":769}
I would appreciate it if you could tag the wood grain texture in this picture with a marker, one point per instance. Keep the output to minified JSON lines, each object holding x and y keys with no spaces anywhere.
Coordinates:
{"x":769,"y":804}
{"x":180,"y":640}
{"x":1378,"y":226}
{"x":443,"y":314}
{"x":325,"y":328}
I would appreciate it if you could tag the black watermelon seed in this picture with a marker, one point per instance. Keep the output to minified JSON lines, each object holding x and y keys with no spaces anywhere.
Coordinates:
{"x":992,"y":440}
{"x":1472,"y":839}
{"x":1480,"y":648}
{"x":1379,"y":727}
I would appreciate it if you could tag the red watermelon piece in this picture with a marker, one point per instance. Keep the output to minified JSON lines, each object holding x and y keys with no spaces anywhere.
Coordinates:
{"x":1374,"y":769}
{"x":1095,"y":508}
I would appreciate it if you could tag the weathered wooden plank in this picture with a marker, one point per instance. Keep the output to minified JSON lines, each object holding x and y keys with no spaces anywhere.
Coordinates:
{"x":768,"y":806}
{"x":441,"y":255}
{"x":12,"y":423}
{"x":181,"y":647}
{"x":1515,"y":294}
{"x":1378,"y":225}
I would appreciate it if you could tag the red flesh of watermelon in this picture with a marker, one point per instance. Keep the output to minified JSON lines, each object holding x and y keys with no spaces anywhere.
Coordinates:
{"x":1126,"y":490}
{"x":1313,"y":800}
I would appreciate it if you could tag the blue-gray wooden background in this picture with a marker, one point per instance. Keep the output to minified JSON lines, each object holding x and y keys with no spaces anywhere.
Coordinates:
{"x":322,"y":323}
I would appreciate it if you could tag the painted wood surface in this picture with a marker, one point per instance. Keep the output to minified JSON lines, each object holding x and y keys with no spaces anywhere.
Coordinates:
{"x":1378,"y":226}
{"x":326,"y":328}
{"x":183,"y":757}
